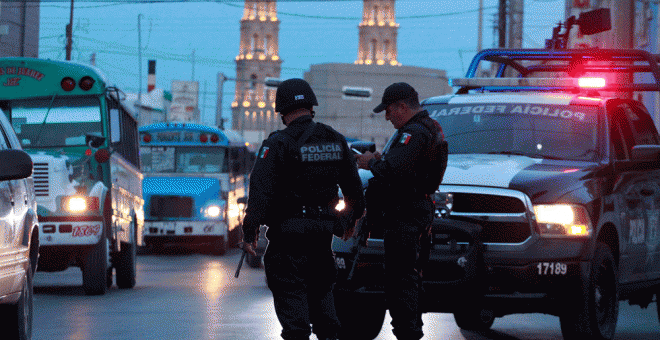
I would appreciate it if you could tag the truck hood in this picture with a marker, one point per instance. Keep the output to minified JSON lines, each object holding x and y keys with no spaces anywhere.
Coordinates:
{"x":534,"y":176}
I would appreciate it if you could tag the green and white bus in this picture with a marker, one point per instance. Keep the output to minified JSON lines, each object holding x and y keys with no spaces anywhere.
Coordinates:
{"x":83,"y":141}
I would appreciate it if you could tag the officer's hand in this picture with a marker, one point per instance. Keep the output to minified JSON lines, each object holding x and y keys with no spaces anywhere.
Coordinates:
{"x":348,"y":233}
{"x":363,"y":160}
{"x":249,"y":247}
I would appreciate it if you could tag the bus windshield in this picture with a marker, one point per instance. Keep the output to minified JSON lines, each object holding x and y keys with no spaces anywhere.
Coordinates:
{"x":183,"y":159}
{"x":534,"y":130}
{"x":64,"y":123}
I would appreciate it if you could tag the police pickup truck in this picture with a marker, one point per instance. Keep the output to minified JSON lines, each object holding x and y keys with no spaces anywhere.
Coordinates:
{"x":550,"y":202}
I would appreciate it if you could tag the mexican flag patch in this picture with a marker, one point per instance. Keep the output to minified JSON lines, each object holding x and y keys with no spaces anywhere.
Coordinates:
{"x":405,"y":138}
{"x":264,"y":152}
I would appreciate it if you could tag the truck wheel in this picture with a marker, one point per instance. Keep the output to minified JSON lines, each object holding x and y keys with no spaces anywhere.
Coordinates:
{"x":125,"y":267}
{"x":18,"y":316}
{"x":361,"y":315}
{"x":475,"y":319}
{"x":254,"y":261}
{"x":598,"y":311}
{"x":95,"y":268}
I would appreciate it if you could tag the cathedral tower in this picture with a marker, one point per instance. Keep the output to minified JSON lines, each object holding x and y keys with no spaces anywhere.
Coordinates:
{"x":258,"y":59}
{"x":378,"y":31}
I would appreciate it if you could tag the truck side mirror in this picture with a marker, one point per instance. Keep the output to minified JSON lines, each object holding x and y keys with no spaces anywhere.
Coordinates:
{"x":645,"y":152}
{"x":15,"y":164}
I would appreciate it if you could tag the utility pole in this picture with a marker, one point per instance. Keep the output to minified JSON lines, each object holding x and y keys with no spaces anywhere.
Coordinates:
{"x":69,"y":34}
{"x":139,"y":68}
{"x":480,"y":25}
{"x":193,"y":65}
{"x":219,"y":121}
{"x":502,"y":24}
{"x":515,"y":20}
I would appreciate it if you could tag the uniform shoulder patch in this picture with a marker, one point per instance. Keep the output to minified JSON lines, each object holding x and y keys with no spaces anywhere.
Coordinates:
{"x":405,"y":138}
{"x":264,"y":152}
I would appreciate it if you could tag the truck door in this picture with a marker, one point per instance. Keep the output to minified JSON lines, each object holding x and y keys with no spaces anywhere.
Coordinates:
{"x":644,"y":133}
{"x":630,"y":196}
{"x":7,"y":216}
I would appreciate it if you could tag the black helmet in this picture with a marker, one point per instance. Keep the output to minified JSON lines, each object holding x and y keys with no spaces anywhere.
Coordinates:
{"x":294,"y":94}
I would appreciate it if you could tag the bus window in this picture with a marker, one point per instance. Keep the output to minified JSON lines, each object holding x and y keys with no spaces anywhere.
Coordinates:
{"x":206,"y":160}
{"x":64,"y":123}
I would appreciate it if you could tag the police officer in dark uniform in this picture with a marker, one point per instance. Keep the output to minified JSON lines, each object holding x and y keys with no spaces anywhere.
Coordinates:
{"x":294,"y":191}
{"x":398,"y":200}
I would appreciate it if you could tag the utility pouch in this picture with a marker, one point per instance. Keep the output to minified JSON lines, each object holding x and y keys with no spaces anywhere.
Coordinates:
{"x":376,"y":205}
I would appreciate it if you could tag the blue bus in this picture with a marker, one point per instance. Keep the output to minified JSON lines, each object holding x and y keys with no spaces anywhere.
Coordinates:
{"x":194,"y":187}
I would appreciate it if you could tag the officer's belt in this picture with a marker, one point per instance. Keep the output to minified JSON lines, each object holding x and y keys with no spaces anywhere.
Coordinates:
{"x":310,"y":212}
{"x":306,"y":226}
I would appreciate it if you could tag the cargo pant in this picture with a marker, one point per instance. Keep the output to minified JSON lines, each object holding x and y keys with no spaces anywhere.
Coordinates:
{"x":403,"y":234}
{"x":301,"y":273}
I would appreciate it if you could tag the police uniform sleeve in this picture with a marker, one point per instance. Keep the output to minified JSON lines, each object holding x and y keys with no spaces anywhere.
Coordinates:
{"x":262,"y":189}
{"x":399,"y":163}
{"x":350,"y":183}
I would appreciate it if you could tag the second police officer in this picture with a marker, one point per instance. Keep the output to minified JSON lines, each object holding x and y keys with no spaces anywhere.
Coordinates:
{"x":294,"y":190}
{"x":398,"y":200}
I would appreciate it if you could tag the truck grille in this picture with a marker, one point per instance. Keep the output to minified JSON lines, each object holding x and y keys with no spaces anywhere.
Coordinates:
{"x":502,"y":213}
{"x":40,"y":176}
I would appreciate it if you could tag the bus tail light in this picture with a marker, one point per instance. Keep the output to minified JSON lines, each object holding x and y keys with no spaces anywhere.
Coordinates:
{"x":86,"y":83}
{"x":203,"y":138}
{"x":68,"y":84}
{"x":214,"y":138}
{"x":102,"y":155}
{"x":146,"y":138}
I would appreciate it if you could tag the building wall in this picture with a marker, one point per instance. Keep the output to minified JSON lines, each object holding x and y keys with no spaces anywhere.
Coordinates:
{"x":19,"y":29}
{"x":354,"y":116}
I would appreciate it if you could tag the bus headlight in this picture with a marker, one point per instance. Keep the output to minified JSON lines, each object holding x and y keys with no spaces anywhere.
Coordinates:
{"x":212,"y":211}
{"x":79,"y":204}
{"x":562,"y":220}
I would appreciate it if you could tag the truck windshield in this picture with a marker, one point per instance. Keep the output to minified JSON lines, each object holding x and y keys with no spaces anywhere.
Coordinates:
{"x":164,"y":159}
{"x":566,"y":132}
{"x":38,"y":123}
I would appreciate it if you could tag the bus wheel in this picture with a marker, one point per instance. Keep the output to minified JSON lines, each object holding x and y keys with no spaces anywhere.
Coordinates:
{"x":125,"y":266}
{"x":95,"y":268}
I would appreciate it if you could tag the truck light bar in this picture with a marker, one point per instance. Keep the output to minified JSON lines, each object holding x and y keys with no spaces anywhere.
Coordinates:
{"x":553,"y":84}
{"x":531,"y":82}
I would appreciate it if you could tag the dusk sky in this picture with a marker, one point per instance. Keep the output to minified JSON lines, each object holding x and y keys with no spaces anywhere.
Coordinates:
{"x":438,"y":34}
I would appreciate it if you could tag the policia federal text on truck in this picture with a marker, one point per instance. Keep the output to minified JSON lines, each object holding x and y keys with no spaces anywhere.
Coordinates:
{"x":550,"y":202}
{"x":83,"y":142}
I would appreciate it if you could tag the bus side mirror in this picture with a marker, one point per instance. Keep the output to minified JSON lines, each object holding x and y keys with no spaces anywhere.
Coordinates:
{"x":115,"y":132}
{"x":94,"y":141}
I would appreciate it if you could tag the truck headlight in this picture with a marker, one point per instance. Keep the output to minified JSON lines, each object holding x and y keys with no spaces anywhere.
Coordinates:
{"x":562,"y":220}
{"x":79,"y":204}
{"x":212,"y":211}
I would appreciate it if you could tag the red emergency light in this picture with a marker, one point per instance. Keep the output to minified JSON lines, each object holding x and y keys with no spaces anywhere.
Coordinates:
{"x":592,"y":83}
